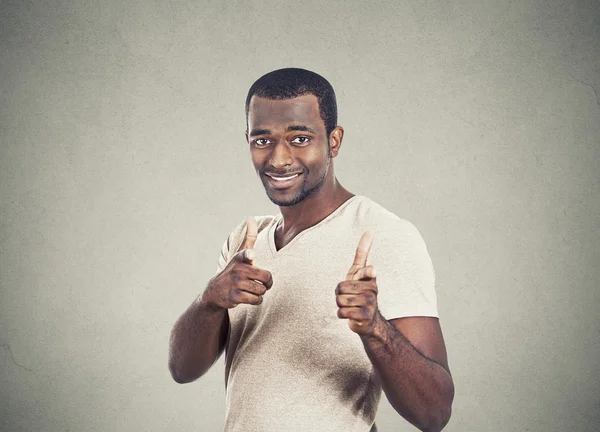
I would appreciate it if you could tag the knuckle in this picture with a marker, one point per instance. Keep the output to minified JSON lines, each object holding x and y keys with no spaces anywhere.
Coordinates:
{"x":235,"y":293}
{"x":261,"y":289}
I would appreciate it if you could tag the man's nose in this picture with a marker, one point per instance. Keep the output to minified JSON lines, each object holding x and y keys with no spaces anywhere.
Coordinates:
{"x":281,"y":155}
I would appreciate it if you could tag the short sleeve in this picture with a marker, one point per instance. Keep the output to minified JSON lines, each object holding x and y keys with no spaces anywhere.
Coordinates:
{"x":405,"y":274}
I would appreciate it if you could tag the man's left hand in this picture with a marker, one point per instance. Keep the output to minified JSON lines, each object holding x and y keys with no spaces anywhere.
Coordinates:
{"x":357,"y":296}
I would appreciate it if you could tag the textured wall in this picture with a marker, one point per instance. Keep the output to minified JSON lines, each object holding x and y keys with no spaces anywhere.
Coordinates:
{"x":123,"y":168}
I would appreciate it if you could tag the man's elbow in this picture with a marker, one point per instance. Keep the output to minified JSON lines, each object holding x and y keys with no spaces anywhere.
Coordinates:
{"x":176,"y":374}
{"x":439,"y":421}
{"x":440,"y":416}
{"x":177,"y":377}
{"x":185,"y":371}
{"x":182,"y":377}
{"x":180,"y":373}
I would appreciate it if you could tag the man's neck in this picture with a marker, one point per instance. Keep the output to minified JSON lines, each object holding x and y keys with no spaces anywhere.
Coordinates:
{"x":313,"y":209}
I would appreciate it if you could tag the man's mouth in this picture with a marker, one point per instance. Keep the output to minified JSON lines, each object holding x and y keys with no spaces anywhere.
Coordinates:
{"x":280,"y":182}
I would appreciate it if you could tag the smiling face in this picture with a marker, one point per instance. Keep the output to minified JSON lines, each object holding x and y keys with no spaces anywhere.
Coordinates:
{"x":290,"y":148}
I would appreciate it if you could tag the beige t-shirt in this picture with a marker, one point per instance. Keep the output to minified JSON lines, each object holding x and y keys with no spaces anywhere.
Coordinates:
{"x":291,"y":363}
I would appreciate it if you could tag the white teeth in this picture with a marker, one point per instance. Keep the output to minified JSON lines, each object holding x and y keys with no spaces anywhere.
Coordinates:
{"x":284,"y":178}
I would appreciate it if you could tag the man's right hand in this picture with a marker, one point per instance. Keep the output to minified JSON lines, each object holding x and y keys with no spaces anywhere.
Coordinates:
{"x":239,"y":282}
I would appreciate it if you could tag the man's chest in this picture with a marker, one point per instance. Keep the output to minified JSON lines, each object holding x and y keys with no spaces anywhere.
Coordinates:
{"x":300,"y":306}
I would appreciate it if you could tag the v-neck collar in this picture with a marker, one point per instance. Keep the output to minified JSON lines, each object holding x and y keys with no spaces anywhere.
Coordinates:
{"x":279,"y":217}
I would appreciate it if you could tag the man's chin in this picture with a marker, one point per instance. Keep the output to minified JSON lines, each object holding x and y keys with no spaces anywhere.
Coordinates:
{"x":286,"y":201}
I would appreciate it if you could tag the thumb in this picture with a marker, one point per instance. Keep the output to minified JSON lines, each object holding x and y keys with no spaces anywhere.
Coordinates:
{"x":245,"y":255}
{"x":246,"y":252}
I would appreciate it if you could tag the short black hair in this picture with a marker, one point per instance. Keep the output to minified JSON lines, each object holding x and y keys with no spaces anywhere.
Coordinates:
{"x":289,"y":83}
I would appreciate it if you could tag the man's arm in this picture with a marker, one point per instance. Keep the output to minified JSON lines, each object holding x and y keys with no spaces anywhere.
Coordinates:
{"x":197,"y":341}
{"x":408,"y":354}
{"x":409,"y":357}
{"x":199,"y":336}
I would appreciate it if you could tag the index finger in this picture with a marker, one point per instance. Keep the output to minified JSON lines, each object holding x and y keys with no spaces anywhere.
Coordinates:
{"x":362,"y":252}
{"x":251,"y":233}
{"x":363,"y":248}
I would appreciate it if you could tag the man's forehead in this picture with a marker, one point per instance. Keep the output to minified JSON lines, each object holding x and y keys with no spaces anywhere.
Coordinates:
{"x":301,"y":109}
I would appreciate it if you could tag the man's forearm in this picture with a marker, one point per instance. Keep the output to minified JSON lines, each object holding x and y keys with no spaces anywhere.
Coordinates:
{"x":196,"y":341}
{"x":418,"y":388}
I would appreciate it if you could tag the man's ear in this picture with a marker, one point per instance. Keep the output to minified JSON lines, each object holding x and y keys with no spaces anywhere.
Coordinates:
{"x":335,"y":141}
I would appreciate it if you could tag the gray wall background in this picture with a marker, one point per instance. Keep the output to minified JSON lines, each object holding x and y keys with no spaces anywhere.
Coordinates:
{"x":123,"y":168}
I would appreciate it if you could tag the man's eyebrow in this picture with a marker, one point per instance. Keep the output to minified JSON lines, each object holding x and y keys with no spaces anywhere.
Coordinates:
{"x":255,"y":132}
{"x":300,"y":128}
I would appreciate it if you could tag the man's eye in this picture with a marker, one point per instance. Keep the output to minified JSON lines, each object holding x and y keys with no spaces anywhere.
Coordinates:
{"x":261,"y":142}
{"x":301,"y":140}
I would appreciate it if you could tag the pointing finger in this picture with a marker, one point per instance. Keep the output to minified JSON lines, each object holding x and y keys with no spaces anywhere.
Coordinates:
{"x":365,"y":273}
{"x":362,"y":253}
{"x":251,"y":233}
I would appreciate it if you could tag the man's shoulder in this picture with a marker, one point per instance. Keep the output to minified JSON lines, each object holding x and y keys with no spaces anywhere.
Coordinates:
{"x":369,"y":212}
{"x":236,"y":237}
{"x":262,"y":222}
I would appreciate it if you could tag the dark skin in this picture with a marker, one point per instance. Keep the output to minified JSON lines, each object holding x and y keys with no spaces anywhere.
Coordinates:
{"x":288,"y":138}
{"x":277,"y":147}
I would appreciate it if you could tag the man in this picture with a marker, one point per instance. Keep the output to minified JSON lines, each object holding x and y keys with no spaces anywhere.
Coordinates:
{"x":323,"y":305}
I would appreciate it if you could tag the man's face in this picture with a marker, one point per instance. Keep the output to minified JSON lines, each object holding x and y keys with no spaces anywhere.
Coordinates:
{"x":289,"y":147}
